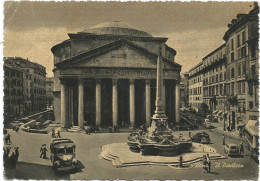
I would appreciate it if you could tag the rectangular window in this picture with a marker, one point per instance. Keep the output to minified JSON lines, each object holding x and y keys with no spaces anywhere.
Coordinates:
{"x":250,"y":88}
{"x":243,"y":37}
{"x":243,"y":52}
{"x":232,"y":57}
{"x":232,"y":88}
{"x":239,"y":70}
{"x":239,"y":87}
{"x":232,"y":44}
{"x":243,"y":87}
{"x":244,"y":69}
{"x":251,"y":105}
{"x":238,"y":40}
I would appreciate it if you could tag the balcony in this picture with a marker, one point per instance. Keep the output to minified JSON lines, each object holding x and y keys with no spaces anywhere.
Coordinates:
{"x":252,"y":76}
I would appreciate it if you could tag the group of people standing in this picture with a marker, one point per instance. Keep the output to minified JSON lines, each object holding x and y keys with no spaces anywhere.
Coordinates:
{"x":53,"y":134}
{"x":11,"y":153}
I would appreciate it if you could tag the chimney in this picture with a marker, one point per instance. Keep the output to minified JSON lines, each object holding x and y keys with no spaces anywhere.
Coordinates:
{"x":229,"y":25}
{"x":234,"y":21}
{"x":255,"y":5}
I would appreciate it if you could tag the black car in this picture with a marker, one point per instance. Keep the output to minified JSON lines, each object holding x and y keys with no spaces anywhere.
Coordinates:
{"x":201,"y":137}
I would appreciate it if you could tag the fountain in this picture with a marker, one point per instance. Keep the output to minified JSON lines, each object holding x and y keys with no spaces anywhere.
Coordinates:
{"x":158,"y":138}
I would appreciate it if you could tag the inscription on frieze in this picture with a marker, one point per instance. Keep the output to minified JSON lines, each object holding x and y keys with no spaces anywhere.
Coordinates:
{"x":119,"y":72}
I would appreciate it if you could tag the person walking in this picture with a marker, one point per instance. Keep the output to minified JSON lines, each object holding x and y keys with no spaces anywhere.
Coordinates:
{"x":43,"y":151}
{"x":58,"y":134}
{"x":53,"y":133}
{"x":13,"y":160}
{"x":16,"y":154}
{"x":209,"y":163}
{"x":241,"y":149}
{"x":223,"y":139}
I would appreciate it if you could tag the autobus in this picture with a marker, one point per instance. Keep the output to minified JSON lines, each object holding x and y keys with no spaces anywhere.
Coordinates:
{"x":252,"y":136}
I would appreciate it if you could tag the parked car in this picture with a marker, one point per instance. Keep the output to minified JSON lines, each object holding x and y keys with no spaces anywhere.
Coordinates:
{"x":201,"y":137}
{"x":231,"y":149}
{"x":63,"y":154}
{"x":16,"y":124}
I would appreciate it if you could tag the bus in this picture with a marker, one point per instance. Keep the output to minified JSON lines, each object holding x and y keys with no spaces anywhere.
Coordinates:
{"x":252,"y":136}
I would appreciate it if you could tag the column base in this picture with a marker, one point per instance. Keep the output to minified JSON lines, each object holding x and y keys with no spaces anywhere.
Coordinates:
{"x":63,"y":129}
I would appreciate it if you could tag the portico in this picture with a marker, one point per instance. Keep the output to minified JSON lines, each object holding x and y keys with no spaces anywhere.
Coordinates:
{"x":141,"y":90}
{"x":112,"y":84}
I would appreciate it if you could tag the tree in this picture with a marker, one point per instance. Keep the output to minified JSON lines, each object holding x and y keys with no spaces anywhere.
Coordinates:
{"x":203,"y":109}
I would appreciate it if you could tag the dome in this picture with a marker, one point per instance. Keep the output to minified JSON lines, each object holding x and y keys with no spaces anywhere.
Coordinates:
{"x":116,"y":28}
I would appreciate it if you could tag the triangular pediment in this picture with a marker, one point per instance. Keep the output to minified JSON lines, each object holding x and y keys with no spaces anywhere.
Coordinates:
{"x":117,"y":54}
{"x":123,"y":56}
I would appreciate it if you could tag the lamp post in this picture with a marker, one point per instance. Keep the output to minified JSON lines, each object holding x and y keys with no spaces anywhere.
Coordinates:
{"x":225,"y":116}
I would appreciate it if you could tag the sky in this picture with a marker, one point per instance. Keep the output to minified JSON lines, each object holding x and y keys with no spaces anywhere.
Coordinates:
{"x":193,"y":29}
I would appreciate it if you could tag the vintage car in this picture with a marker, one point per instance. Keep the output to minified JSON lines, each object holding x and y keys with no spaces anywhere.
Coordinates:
{"x":231,"y":149}
{"x":201,"y":137}
{"x":63,"y":154}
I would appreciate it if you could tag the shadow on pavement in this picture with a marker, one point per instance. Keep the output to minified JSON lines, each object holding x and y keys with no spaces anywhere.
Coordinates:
{"x":28,"y":171}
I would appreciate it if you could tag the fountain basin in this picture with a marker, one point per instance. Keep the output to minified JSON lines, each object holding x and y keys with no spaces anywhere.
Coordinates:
{"x":162,"y":147}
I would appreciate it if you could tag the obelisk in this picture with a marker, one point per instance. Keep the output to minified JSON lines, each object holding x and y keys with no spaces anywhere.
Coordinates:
{"x":160,"y":110}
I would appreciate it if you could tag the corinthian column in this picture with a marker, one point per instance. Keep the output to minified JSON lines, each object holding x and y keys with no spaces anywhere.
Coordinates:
{"x":98,"y":102}
{"x":132,"y":102}
{"x":147,"y":101}
{"x":177,"y":102}
{"x":81,"y":104}
{"x":115,"y":102}
{"x":63,"y":105}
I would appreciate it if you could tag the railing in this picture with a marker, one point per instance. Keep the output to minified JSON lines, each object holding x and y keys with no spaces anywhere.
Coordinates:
{"x":252,"y":76}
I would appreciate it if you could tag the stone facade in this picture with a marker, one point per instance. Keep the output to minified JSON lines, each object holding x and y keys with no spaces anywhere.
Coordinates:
{"x":230,"y":72}
{"x":110,"y":79}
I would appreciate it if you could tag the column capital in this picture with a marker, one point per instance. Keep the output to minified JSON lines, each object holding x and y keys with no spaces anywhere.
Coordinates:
{"x":98,"y":80}
{"x":131,"y":81}
{"x":148,"y":81}
{"x":81,"y":81}
{"x":114,"y":81}
{"x":63,"y":81}
{"x":177,"y":81}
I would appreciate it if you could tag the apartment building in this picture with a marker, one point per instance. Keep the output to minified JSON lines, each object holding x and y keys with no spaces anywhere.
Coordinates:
{"x":196,"y":86}
{"x":32,"y":85}
{"x":214,"y":77}
{"x":13,"y":89}
{"x":49,"y":91}
{"x":229,"y":74}
{"x":242,"y":67}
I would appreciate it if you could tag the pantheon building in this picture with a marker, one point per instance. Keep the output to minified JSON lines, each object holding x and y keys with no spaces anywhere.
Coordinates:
{"x":106,"y":76}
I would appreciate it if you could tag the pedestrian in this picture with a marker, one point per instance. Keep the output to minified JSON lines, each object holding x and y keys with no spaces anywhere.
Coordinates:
{"x":16,"y":153}
{"x":189,"y":134}
{"x":180,"y":164}
{"x":58,"y":134}
{"x":241,"y":149}
{"x":209,"y":163}
{"x":115,"y":128}
{"x":53,"y":133}
{"x":43,"y":151}
{"x":12,"y":160}
{"x":17,"y":129}
{"x":223,"y":139}
{"x":180,"y":136}
{"x":205,"y":164}
{"x":8,"y":139}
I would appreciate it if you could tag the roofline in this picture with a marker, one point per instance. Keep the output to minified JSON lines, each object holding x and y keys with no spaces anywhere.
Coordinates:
{"x":112,"y":37}
{"x":197,"y":65}
{"x":252,"y":15}
{"x":118,"y":41}
{"x":214,"y":51}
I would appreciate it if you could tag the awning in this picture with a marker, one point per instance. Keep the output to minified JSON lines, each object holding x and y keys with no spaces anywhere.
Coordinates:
{"x":252,"y":128}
